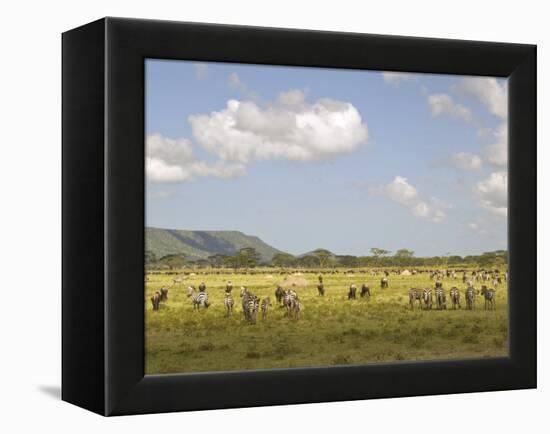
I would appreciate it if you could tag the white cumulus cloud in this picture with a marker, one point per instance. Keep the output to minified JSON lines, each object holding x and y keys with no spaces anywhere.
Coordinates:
{"x":497,"y":152}
{"x":400,"y":191}
{"x":443,"y":104}
{"x":289,"y":128}
{"x":490,"y":92}
{"x":397,"y":77}
{"x":466,"y":161}
{"x":172,"y":160}
{"x":492,"y":193}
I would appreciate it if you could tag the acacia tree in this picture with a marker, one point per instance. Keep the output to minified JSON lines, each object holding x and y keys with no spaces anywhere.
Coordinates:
{"x":248,"y":257}
{"x":378,"y":252}
{"x":175,"y":260}
{"x":150,"y":257}
{"x":404,"y":253}
{"x":283,"y":260}
{"x":323,"y":257}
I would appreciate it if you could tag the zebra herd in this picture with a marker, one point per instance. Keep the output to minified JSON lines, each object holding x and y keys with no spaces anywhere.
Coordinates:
{"x":288,"y":298}
{"x":425,"y":298}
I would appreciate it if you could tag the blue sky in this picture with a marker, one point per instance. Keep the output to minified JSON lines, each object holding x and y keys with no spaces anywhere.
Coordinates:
{"x":341,"y":159}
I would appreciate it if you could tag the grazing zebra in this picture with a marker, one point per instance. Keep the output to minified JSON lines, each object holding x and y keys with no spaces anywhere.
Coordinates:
{"x":489,"y":295}
{"x":470,"y":298}
{"x":427,"y":298}
{"x":455,"y":297}
{"x":155,"y":300}
{"x":279,"y":294}
{"x":414,"y":295}
{"x":199,"y":299}
{"x":440,"y":299}
{"x":266,"y":302}
{"x":384,"y":282}
{"x":352,"y":291}
{"x":321,"y":289}
{"x":365,"y":291}
{"x":163,"y":294}
{"x":228,"y":303}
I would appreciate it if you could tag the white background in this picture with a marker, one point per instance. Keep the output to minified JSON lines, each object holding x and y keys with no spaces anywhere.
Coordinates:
{"x":30,"y":186}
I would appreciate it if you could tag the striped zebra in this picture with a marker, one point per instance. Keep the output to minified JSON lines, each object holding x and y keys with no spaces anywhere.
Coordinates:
{"x":245,"y":295}
{"x":198,"y":298}
{"x":228,"y":303}
{"x":440,"y":299}
{"x":415,"y":295}
{"x":294,"y":306}
{"x":470,"y":298}
{"x":291,"y":302}
{"x":155,"y":300}
{"x":321,"y":289}
{"x":384,"y":282}
{"x":352,"y":292}
{"x":489,"y":295}
{"x":251,"y":308}
{"x":427,"y":298}
{"x":266,"y":302}
{"x":365,"y":291}
{"x":455,"y":297}
{"x":279,"y":294}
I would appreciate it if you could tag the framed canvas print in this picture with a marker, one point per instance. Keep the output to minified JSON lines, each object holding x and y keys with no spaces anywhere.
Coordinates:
{"x":257,"y":216}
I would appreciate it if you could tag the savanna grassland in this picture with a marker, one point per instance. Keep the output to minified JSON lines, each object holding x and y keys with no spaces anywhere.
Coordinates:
{"x":332,"y":330}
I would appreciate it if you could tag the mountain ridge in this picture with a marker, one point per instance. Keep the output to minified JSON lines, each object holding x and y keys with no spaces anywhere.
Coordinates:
{"x":200,"y":244}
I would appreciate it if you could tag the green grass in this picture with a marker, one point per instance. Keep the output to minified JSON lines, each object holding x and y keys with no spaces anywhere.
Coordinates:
{"x":331,"y":330}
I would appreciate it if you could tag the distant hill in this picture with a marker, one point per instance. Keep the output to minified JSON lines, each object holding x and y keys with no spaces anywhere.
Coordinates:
{"x":201,"y":244}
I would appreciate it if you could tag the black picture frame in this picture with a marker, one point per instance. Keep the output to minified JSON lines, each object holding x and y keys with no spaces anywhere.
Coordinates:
{"x":103,"y":215}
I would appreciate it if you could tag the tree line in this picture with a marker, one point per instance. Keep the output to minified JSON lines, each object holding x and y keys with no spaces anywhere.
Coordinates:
{"x":248,"y":257}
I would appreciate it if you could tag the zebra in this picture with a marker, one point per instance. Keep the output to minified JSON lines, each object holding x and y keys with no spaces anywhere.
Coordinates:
{"x":427,"y":298}
{"x":352,"y":291}
{"x":155,"y":300}
{"x":321,"y":289}
{"x":289,"y":301}
{"x":279,"y":294}
{"x":414,"y":295}
{"x":251,"y":308}
{"x":455,"y":297}
{"x":198,"y":298}
{"x":365,"y":291}
{"x":245,"y":295}
{"x":202,"y":287}
{"x":384,"y":282}
{"x":438,"y":284}
{"x":440,"y":300}
{"x":489,"y":295}
{"x":266,"y":302}
{"x":470,"y":298}
{"x":228,"y":303}
{"x":229,"y":287}
{"x":294,"y":305}
{"x":163,"y":294}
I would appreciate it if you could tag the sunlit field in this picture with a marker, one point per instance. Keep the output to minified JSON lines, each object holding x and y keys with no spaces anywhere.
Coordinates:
{"x":331,"y":330}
